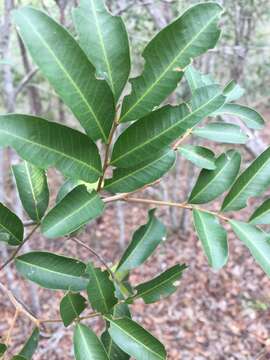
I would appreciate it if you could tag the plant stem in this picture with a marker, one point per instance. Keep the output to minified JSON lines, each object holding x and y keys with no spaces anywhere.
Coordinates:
{"x":8,"y":338}
{"x":182,"y":139}
{"x":108,"y":148}
{"x":18,"y":305}
{"x":124,"y":197}
{"x":19,"y":247}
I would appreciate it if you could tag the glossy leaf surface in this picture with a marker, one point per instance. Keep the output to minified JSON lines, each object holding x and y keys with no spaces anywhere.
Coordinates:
{"x":167,"y":55}
{"x":52,"y":271}
{"x":128,"y":180}
{"x":87,"y":345}
{"x":75,"y":210}
{"x":135,"y":341}
{"x":71,"y":306}
{"x":64,"y":64}
{"x":160,"y":287}
{"x":100,"y":290}
{"x":33,"y":189}
{"x":213,"y":238}
{"x":249,"y":116}
{"x":262,"y":214}
{"x":104,"y":39}
{"x":222,"y":132}
{"x":11,"y":227}
{"x":252,"y":182}
{"x":213,"y":183}
{"x":45,"y":144}
{"x":144,"y":241}
{"x":199,"y":156}
{"x":149,"y":135}
{"x":256,"y":240}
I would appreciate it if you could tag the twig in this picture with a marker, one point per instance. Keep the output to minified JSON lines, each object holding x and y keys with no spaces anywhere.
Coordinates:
{"x":108,"y":148}
{"x":182,"y":139}
{"x":8,"y":338}
{"x":18,"y":305}
{"x":28,"y":77}
{"x":19,"y":247}
{"x":29,"y":223}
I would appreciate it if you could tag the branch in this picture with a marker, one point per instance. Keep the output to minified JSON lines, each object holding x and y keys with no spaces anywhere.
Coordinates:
{"x":18,"y":305}
{"x":25,"y":81}
{"x":7,"y":341}
{"x":19,"y":247}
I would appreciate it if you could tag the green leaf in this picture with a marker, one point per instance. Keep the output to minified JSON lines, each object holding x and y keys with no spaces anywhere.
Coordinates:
{"x":3,"y":349}
{"x":233,"y":91}
{"x":168,"y":54}
{"x":160,"y":287}
{"x":33,"y":189}
{"x":75,"y":210}
{"x":196,"y":79}
{"x":213,"y":238}
{"x":262,"y":214}
{"x":87,"y":345}
{"x":11,"y":227}
{"x":250,"y":117}
{"x":252,"y":182}
{"x":18,"y":357}
{"x":199,"y":156}
{"x":222,"y":132}
{"x":64,"y":64}
{"x":100,"y":290}
{"x":113,"y":351}
{"x":144,"y":242}
{"x":213,"y":183}
{"x":31,"y":345}
{"x":128,"y":180}
{"x":71,"y":184}
{"x":46,"y":144}
{"x":53,"y":271}
{"x":256,"y":240}
{"x":135,"y":340}
{"x":104,"y":39}
{"x":71,"y":306}
{"x":149,"y":135}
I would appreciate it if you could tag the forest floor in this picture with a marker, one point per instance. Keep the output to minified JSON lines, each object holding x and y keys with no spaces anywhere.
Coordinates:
{"x":213,"y":315}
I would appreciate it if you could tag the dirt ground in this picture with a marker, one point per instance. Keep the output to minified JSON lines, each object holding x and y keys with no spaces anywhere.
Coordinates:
{"x":213,"y":315}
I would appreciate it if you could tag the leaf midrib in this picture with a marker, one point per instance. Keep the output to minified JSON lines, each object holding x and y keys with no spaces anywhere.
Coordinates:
{"x":43,"y":269}
{"x":103,"y":46}
{"x":213,"y":179}
{"x":64,"y":219}
{"x":51,"y":150}
{"x":190,"y":114}
{"x":210,"y":257}
{"x":136,"y":171}
{"x":136,"y":340}
{"x":237,"y":195}
{"x":32,"y":190}
{"x":168,"y":68}
{"x":64,"y":70}
{"x":157,"y":286}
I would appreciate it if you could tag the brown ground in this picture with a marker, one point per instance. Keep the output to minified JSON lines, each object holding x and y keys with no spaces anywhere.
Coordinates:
{"x":215,"y":316}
